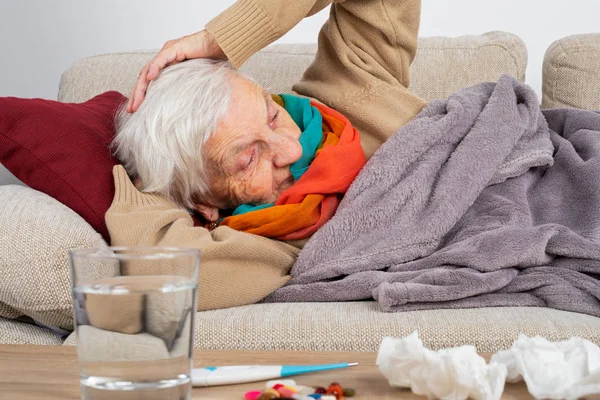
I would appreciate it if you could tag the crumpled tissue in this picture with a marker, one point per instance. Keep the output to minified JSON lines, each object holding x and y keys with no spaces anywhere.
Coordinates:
{"x":553,"y":370}
{"x":449,"y":374}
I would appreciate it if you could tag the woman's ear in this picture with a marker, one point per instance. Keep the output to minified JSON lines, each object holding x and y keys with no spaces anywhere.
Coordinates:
{"x":209,"y":213}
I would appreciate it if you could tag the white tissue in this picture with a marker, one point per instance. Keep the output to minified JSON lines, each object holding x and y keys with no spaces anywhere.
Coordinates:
{"x":449,"y":374}
{"x":559,"y":370}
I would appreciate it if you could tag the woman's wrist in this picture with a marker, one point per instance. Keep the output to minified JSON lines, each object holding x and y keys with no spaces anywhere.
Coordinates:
{"x":242,"y":30}
{"x":211,"y":47}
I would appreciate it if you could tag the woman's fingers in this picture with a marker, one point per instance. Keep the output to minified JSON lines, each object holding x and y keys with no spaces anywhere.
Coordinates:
{"x":169,"y":43}
{"x":162,"y":59}
{"x":167,"y":56}
{"x":153,"y":72}
{"x":198,"y":45}
{"x":149,"y":73}
{"x":140,"y":88}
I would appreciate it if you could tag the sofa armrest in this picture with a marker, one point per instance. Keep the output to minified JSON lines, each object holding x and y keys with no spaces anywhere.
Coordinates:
{"x":570,"y":76}
{"x":36,"y":232}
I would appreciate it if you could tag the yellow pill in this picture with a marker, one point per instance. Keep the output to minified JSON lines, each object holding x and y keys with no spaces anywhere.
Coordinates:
{"x":273,"y":391}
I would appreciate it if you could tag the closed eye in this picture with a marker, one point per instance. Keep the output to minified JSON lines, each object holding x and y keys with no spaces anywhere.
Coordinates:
{"x":251,"y":159}
{"x":274,"y":118}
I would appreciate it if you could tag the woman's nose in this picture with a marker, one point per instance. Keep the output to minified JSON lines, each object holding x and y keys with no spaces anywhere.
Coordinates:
{"x":286,"y":152}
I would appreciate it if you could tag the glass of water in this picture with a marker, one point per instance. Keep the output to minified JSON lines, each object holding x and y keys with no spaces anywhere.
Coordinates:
{"x":134,"y":316}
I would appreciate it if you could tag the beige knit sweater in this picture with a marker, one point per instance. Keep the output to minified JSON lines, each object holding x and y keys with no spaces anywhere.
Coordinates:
{"x":361,"y":70}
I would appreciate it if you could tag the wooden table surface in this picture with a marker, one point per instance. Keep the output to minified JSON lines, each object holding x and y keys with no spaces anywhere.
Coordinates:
{"x":50,"y":372}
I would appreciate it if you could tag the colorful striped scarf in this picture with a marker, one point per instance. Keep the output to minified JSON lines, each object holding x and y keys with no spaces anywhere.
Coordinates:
{"x":331,"y":158}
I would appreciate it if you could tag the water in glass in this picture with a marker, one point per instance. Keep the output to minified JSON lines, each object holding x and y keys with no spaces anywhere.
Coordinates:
{"x":135,"y":336}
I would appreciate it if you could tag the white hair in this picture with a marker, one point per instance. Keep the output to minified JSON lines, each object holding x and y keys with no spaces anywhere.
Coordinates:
{"x":162,"y":142}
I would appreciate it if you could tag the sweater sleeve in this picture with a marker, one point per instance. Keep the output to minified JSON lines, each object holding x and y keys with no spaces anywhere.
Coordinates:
{"x":250,"y":25}
{"x":363,"y":63}
{"x":235,"y":268}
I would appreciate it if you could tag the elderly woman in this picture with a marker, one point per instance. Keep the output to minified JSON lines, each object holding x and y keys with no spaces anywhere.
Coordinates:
{"x":264,"y":171}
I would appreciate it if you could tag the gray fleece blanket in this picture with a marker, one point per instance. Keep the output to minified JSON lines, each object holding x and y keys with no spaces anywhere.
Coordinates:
{"x":482,"y":200}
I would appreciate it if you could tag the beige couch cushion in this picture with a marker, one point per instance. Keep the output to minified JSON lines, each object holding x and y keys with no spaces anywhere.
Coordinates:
{"x":360,"y":326}
{"x":15,"y":332}
{"x":442,"y":66}
{"x":102,"y":345}
{"x":36,"y":233}
{"x":572,"y":73}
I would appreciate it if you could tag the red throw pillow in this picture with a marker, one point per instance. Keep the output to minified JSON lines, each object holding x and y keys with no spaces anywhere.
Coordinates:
{"x":61,"y":149}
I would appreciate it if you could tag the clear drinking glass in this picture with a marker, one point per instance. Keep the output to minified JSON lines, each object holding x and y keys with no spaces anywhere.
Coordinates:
{"x":134,"y":316}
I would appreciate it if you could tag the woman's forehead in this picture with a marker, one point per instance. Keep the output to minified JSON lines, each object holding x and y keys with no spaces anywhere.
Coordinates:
{"x":247,"y":93}
{"x":241,"y":126}
{"x":247,"y":112}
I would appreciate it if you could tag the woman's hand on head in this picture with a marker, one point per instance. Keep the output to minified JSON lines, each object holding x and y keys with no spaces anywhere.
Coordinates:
{"x":198,"y":45}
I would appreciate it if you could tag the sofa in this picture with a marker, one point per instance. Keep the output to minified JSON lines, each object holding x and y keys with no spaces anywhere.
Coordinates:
{"x":36,"y":231}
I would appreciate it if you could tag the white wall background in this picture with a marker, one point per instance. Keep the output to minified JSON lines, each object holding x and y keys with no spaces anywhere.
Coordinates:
{"x":41,"y":38}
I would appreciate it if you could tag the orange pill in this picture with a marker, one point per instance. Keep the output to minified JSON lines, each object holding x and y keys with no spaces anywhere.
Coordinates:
{"x":336,"y":390}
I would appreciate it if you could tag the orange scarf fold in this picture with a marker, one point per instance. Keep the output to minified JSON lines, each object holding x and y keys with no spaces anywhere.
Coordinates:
{"x":314,"y":198}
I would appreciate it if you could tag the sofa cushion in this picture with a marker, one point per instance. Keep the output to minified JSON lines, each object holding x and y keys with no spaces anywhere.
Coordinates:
{"x":442,"y":66}
{"x":62,"y":150}
{"x":360,"y":326}
{"x":16,"y":332}
{"x":570,"y":76}
{"x":101,"y":345}
{"x":36,"y":233}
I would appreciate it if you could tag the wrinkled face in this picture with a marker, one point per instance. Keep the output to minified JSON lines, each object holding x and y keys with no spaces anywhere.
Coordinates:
{"x":250,"y":154}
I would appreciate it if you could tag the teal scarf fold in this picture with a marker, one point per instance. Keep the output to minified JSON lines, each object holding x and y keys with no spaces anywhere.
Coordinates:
{"x":310,"y":122}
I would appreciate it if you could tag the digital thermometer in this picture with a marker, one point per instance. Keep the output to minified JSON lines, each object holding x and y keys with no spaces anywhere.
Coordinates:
{"x":215,"y":376}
